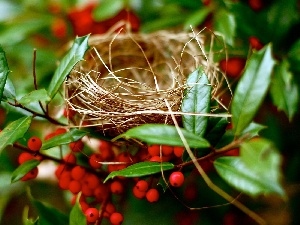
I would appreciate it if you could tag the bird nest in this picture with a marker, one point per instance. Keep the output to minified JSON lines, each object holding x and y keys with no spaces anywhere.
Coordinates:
{"x":130,"y":79}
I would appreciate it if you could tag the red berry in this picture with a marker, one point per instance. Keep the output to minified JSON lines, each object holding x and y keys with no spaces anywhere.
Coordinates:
{"x":116,"y":187}
{"x":256,"y":5}
{"x":138,"y":193}
{"x":152,"y":195}
{"x":95,"y":161}
{"x":255,"y":43}
{"x":155,"y":159}
{"x":176,"y":179}
{"x":116,"y":218}
{"x":109,"y":209}
{"x":154,"y":150}
{"x":91,"y":215}
{"x":31,"y":174}
{"x":142,"y":185}
{"x":105,"y":149}
{"x":76,"y":146}
{"x":178,"y":151}
{"x":86,"y":190}
{"x":233,"y":67}
{"x":77,"y":173}
{"x":101,"y":192}
{"x":69,"y":113}
{"x":92,"y":181}
{"x":34,"y":143}
{"x":65,"y":180}
{"x":167,"y":150}
{"x":59,"y":28}
{"x":70,"y":158}
{"x":60,"y":130}
{"x":75,"y":186}
{"x":25,"y":156}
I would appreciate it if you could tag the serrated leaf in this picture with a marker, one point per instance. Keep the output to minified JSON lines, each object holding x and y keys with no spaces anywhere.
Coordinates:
{"x":35,"y":96}
{"x":163,"y":134}
{"x":251,"y":89}
{"x":196,"y":100}
{"x":284,"y":91}
{"x":226,"y":25}
{"x":76,"y":215}
{"x":49,"y":215}
{"x":23,"y":169}
{"x":4,"y":71}
{"x":14,"y":131}
{"x":141,"y":169}
{"x":65,"y":138}
{"x":235,"y":172}
{"x":107,"y":9}
{"x":74,"y":55}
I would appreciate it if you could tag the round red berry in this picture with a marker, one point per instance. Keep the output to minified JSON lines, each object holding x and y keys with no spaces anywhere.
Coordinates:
{"x":138,"y":193}
{"x":77,"y":172}
{"x":34,"y":143}
{"x":255,"y":43}
{"x":76,"y":146}
{"x":95,"y":161}
{"x":31,"y":174}
{"x":176,"y":179}
{"x":75,"y":186}
{"x":116,"y":218}
{"x":233,"y":67}
{"x":178,"y":151}
{"x":91,"y":215}
{"x":152,"y":195}
{"x":167,"y":150}
{"x":116,"y":187}
{"x":109,"y":209}
{"x":142,"y":185}
{"x":25,"y":156}
{"x":154,"y":150}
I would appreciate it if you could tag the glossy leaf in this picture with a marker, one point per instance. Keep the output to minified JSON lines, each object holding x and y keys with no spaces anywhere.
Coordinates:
{"x":196,"y":100}
{"x":14,"y":131}
{"x":262,"y":157}
{"x":4,"y":71}
{"x":225,"y":24}
{"x":49,"y":215}
{"x":251,"y":89}
{"x":107,"y":9}
{"x":164,"y":135}
{"x":77,"y":217}
{"x":74,"y":55}
{"x":284,"y":90}
{"x":23,"y":169}
{"x":234,"y":171}
{"x":62,"y":139}
{"x":9,"y":90}
{"x":253,"y":129}
{"x":141,"y":169}
{"x":34,"y":96}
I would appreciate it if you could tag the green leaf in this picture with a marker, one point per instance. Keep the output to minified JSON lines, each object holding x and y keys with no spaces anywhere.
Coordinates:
{"x":196,"y":18}
{"x":107,"y":9}
{"x":4,"y":71}
{"x":23,"y":169}
{"x":251,"y":89}
{"x":253,"y":129}
{"x":196,"y":100}
{"x":162,"y":23}
{"x":35,"y":96}
{"x":62,"y":139}
{"x":49,"y":215}
{"x":74,"y":55}
{"x":215,"y":129}
{"x":76,"y":215}
{"x":284,"y":90}
{"x":141,"y":169}
{"x":226,"y":25}
{"x":14,"y":131}
{"x":164,"y":135}
{"x":9,"y":90}
{"x":235,"y":172}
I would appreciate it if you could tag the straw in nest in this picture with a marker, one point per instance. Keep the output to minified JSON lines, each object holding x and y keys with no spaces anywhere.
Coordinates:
{"x":126,"y":79}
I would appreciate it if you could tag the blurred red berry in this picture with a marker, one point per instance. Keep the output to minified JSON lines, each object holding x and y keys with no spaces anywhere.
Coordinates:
{"x":92,"y":215}
{"x":255,"y":43}
{"x":116,"y":218}
{"x":233,"y":67}
{"x":95,"y":161}
{"x":59,"y":28}
{"x":256,"y":5}
{"x":76,"y":146}
{"x":31,"y":174}
{"x":152,"y":195}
